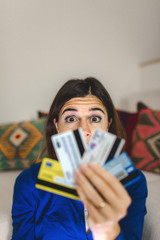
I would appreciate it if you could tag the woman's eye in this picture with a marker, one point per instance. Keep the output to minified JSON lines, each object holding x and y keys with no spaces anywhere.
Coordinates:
{"x":95,"y":119}
{"x":70,"y":119}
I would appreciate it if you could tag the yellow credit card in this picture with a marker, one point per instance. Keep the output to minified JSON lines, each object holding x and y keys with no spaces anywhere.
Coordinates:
{"x":51,"y":179}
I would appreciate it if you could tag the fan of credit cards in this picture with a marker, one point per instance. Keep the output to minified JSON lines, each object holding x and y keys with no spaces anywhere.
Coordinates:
{"x":72,"y":151}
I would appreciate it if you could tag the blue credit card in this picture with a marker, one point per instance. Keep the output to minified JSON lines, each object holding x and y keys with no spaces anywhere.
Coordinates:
{"x":123,"y":169}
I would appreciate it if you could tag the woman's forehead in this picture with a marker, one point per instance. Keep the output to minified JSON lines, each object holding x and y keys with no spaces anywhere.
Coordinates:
{"x":88,"y":101}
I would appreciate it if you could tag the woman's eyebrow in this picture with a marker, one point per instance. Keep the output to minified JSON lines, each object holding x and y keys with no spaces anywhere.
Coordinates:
{"x":69,"y":109}
{"x":96,"y":109}
{"x":75,"y":110}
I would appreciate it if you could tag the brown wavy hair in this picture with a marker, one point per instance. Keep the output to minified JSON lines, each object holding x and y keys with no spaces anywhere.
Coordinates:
{"x":80,"y":88}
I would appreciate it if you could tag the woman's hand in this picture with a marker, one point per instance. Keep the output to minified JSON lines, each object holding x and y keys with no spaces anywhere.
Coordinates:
{"x":105,"y":198}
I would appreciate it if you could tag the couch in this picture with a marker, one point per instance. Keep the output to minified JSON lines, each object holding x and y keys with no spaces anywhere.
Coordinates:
{"x":129,"y":120}
{"x":152,"y":219}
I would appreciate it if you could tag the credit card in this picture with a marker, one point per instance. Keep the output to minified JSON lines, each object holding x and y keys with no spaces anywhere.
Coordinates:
{"x":123,"y":169}
{"x":69,"y":147}
{"x":51,"y":179}
{"x":102,"y":147}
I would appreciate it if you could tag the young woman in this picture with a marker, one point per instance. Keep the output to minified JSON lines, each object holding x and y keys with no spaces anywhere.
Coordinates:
{"x":113,"y":211}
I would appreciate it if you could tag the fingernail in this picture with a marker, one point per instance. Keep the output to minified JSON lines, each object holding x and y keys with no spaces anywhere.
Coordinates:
{"x":84,"y":167}
{"x":78,"y":173}
{"x":93,"y":164}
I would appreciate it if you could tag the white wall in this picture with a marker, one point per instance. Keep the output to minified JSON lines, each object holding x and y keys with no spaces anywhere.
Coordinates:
{"x":150,"y":76}
{"x":44,"y":43}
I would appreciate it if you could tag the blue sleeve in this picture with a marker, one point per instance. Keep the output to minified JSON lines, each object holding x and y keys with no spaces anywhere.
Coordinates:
{"x":24,"y":207}
{"x":132,"y":224}
{"x":120,"y":236}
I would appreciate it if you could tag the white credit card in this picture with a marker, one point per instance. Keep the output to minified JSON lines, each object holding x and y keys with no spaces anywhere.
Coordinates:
{"x":102,"y":147}
{"x":69,"y":147}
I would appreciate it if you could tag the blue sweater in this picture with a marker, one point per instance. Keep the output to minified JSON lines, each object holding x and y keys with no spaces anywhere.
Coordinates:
{"x":41,"y":215}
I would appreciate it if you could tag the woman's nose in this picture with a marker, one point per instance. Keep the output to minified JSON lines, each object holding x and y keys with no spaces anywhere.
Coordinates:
{"x":86,"y":128}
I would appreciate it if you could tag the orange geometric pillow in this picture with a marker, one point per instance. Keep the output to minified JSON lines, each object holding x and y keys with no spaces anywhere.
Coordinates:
{"x":20,"y":143}
{"x":146,"y":141}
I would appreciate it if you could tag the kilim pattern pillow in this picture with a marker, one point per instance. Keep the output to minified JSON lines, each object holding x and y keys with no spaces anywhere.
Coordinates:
{"x":146,"y":141}
{"x":20,"y":143}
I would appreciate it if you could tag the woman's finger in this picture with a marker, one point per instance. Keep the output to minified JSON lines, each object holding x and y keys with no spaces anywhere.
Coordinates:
{"x":88,"y":190}
{"x":99,"y":192}
{"x":103,"y":187}
{"x":106,"y":183}
{"x":102,"y":209}
{"x":89,"y":194}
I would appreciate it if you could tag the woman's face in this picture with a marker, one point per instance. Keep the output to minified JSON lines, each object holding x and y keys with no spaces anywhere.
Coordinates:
{"x":86,"y":112}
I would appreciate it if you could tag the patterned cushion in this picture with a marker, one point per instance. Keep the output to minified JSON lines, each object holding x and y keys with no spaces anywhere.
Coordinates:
{"x":141,"y":105}
{"x":146,"y":141}
{"x":20,"y":143}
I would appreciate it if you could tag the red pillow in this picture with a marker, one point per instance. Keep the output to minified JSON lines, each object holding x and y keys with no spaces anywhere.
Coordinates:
{"x":146,"y":141}
{"x":128,"y":120}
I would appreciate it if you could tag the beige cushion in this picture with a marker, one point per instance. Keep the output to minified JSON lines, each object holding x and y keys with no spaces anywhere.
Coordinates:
{"x":7,"y":179}
{"x":151,"y":229}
